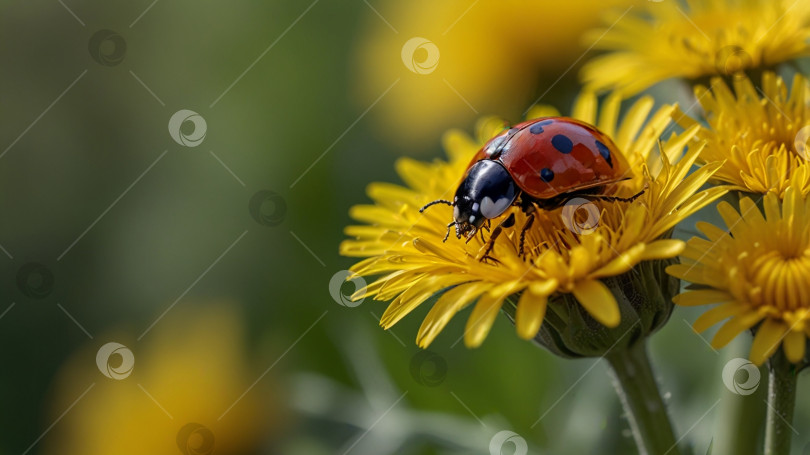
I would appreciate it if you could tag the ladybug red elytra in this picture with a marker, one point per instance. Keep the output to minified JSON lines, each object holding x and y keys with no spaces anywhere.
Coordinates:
{"x":540,"y":163}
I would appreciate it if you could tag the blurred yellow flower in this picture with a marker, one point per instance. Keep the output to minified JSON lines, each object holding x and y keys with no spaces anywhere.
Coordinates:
{"x":662,"y":40}
{"x":188,"y":373}
{"x":406,"y":246}
{"x":481,"y":56}
{"x":762,"y":139}
{"x":758,"y":271}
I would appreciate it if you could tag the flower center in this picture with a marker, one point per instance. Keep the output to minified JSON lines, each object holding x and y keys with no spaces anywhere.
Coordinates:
{"x":777,"y":279}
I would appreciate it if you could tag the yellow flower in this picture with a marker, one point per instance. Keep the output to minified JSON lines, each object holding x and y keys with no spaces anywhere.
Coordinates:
{"x":664,"y":40}
{"x":491,"y":54}
{"x":187,"y":374}
{"x":406,"y":247}
{"x":759,"y":272}
{"x":762,"y":139}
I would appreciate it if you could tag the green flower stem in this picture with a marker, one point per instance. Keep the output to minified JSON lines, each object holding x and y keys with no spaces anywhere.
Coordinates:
{"x":638,"y":391}
{"x":781,"y":400}
{"x":742,"y":418}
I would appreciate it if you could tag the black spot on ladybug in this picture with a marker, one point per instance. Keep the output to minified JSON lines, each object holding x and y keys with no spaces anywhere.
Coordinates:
{"x":537,"y":128}
{"x":605,"y":152}
{"x":562,"y":143}
{"x":547,"y":174}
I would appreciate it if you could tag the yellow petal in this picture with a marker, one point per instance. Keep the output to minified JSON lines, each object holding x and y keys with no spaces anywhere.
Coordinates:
{"x":416,"y":294}
{"x":450,"y":303}
{"x":598,"y":301}
{"x":542,"y":110}
{"x":632,"y":122}
{"x":717,"y":314}
{"x":391,"y":195}
{"x":579,"y":260}
{"x":438,"y":250}
{"x":543,"y":287}
{"x":485,"y":312}
{"x":395,"y":285}
{"x":370,"y":214}
{"x":794,"y":346}
{"x":730,"y":216}
{"x":734,"y":327}
{"x":701,"y":297}
{"x":688,"y":272}
{"x":585,"y":107}
{"x":772,"y":208}
{"x":622,"y":263}
{"x":530,"y":312}
{"x":767,"y":339}
{"x":459,"y":145}
{"x":489,"y":127}
{"x":663,"y":249}
{"x":609,"y":114}
{"x":711,"y":231}
{"x":415,"y":174}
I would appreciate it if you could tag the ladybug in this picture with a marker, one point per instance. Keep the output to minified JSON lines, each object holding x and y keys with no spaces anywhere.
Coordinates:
{"x":540,"y":163}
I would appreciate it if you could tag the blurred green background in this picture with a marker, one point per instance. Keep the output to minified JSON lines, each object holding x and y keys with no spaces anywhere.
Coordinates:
{"x":238,"y":344}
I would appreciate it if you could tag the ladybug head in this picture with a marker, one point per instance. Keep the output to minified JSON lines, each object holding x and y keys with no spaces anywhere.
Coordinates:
{"x":485,"y":193}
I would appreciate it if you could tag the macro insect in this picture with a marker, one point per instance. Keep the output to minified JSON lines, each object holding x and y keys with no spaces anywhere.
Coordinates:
{"x":538,"y":164}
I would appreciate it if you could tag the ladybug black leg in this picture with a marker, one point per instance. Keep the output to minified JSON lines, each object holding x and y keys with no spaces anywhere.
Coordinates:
{"x":485,"y":227}
{"x":471,"y":235}
{"x":508,"y":222}
{"x":621,"y":199}
{"x":526,"y":227}
{"x":529,"y":207}
{"x":438,"y":201}
{"x":447,"y":235}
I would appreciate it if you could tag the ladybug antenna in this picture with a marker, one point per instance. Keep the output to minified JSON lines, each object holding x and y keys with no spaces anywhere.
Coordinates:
{"x":437,"y":201}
